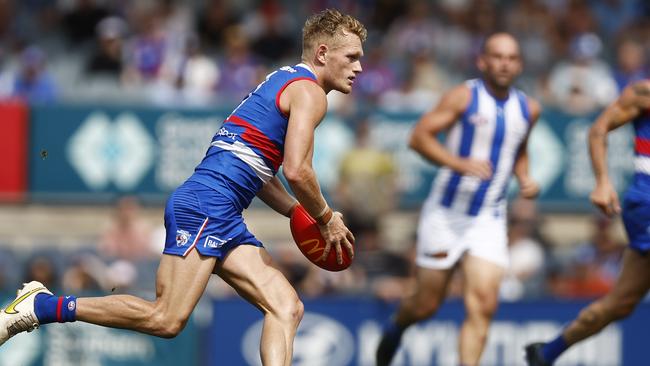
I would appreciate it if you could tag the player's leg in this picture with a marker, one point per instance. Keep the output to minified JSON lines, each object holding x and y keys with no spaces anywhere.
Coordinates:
{"x":430,"y":290}
{"x":180,"y":282}
{"x":631,"y":287}
{"x":248,"y":269}
{"x":481,"y":293}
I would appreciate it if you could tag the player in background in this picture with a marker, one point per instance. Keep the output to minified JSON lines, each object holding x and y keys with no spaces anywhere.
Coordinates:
{"x":633,"y":105}
{"x":206,"y":233}
{"x":463,"y":221}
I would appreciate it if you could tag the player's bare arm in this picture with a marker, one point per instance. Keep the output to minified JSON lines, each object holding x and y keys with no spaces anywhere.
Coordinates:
{"x":424,"y":138}
{"x":528,"y":188}
{"x":628,"y":106}
{"x":306,"y":104}
{"x":276,"y":196}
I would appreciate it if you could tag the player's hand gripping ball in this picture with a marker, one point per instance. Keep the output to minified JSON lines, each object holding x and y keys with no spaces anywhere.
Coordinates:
{"x":307,"y":236}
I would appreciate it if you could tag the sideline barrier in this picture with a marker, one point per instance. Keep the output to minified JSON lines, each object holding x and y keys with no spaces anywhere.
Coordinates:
{"x":342,"y":332}
{"x":333,"y":332}
{"x":82,"y":344}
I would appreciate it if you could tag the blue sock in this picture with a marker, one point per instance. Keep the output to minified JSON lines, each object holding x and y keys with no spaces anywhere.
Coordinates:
{"x":553,"y":349}
{"x":50,"y":308}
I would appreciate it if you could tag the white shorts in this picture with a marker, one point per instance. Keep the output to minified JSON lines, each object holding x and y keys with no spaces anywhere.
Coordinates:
{"x":445,"y":235}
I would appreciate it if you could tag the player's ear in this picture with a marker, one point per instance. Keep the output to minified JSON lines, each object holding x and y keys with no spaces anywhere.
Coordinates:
{"x":321,"y":53}
{"x":480,"y":63}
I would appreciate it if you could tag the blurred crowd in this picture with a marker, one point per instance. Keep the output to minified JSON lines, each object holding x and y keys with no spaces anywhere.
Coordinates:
{"x":578,"y":53}
{"x":125,"y":255}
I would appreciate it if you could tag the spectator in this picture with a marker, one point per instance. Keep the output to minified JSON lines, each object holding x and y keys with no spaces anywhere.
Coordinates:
{"x":270,"y":29}
{"x":145,"y":52}
{"x":377,"y":76}
{"x":584,"y":83}
{"x":129,"y":235}
{"x":594,"y":266}
{"x":524,"y":277}
{"x":33,"y":83}
{"x":613,"y":15}
{"x":107,"y":57}
{"x":80,"y":22}
{"x":417,"y":92}
{"x":189,"y":79}
{"x":41,"y":268}
{"x":240,"y":69}
{"x":366,"y":188}
{"x":631,"y":64}
{"x":213,"y":20}
{"x":84,"y":274}
{"x":414,"y":32}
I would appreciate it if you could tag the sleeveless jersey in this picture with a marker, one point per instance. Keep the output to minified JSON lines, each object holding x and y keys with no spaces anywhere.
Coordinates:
{"x":641,"y":180}
{"x":490,"y":129}
{"x":248,"y":149}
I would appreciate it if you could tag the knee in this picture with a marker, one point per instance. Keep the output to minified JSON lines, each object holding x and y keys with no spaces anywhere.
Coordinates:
{"x":623,"y":308}
{"x":424,"y":307}
{"x":290,"y":310}
{"x":166,"y":324}
{"x":484,"y":306}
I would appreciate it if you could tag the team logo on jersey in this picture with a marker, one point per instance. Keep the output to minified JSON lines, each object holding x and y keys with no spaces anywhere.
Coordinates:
{"x":289,"y":69}
{"x":226,"y":133}
{"x":478,"y":120}
{"x":214,"y":242}
{"x":182,"y":237}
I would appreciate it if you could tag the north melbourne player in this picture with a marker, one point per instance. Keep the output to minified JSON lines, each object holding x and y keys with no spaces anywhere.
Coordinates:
{"x":463,"y":221}
{"x":273,"y":126}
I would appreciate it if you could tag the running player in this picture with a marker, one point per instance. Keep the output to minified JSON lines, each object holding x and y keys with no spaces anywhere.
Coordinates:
{"x":274,"y":125}
{"x":634,"y":280}
{"x":463,"y":221}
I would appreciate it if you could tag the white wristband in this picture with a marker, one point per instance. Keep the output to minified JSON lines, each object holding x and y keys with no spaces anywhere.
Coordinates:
{"x":323,"y":211}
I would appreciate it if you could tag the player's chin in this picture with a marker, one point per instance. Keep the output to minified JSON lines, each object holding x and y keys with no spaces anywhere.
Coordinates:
{"x":504,"y":81}
{"x":345,"y":89}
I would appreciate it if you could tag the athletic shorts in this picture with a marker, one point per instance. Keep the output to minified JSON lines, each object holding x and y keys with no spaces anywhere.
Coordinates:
{"x":636,"y":218}
{"x":444,"y":236}
{"x":200,"y":217}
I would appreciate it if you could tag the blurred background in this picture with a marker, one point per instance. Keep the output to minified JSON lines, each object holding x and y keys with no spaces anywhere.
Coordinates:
{"x":107,"y":105}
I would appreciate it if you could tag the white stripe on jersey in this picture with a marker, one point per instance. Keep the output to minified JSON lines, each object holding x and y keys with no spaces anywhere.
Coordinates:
{"x":248,"y":156}
{"x":484,"y":122}
{"x":642,"y":164}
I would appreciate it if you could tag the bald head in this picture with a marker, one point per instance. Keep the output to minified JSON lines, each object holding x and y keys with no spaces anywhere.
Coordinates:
{"x":499,"y":41}
{"x":500,"y":61}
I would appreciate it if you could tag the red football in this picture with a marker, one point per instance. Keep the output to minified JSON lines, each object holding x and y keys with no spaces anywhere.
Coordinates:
{"x":307,"y":236}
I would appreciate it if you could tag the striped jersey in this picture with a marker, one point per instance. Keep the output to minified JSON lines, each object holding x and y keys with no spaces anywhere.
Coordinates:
{"x":248,"y":149}
{"x":490,"y":129}
{"x":642,"y":152}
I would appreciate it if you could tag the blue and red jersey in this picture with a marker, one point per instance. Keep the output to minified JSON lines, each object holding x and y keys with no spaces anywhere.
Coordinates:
{"x":642,"y":153}
{"x":248,"y":149}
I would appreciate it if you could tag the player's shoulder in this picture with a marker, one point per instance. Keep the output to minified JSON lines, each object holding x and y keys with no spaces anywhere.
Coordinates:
{"x":535,"y":108}
{"x":458,"y":97}
{"x":305,"y":93}
{"x":297,"y":71}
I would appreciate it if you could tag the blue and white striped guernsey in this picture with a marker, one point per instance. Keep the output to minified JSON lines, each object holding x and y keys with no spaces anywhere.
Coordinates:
{"x":490,"y":129}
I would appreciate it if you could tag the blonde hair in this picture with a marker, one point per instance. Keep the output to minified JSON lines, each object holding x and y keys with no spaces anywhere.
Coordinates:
{"x":328,"y":24}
